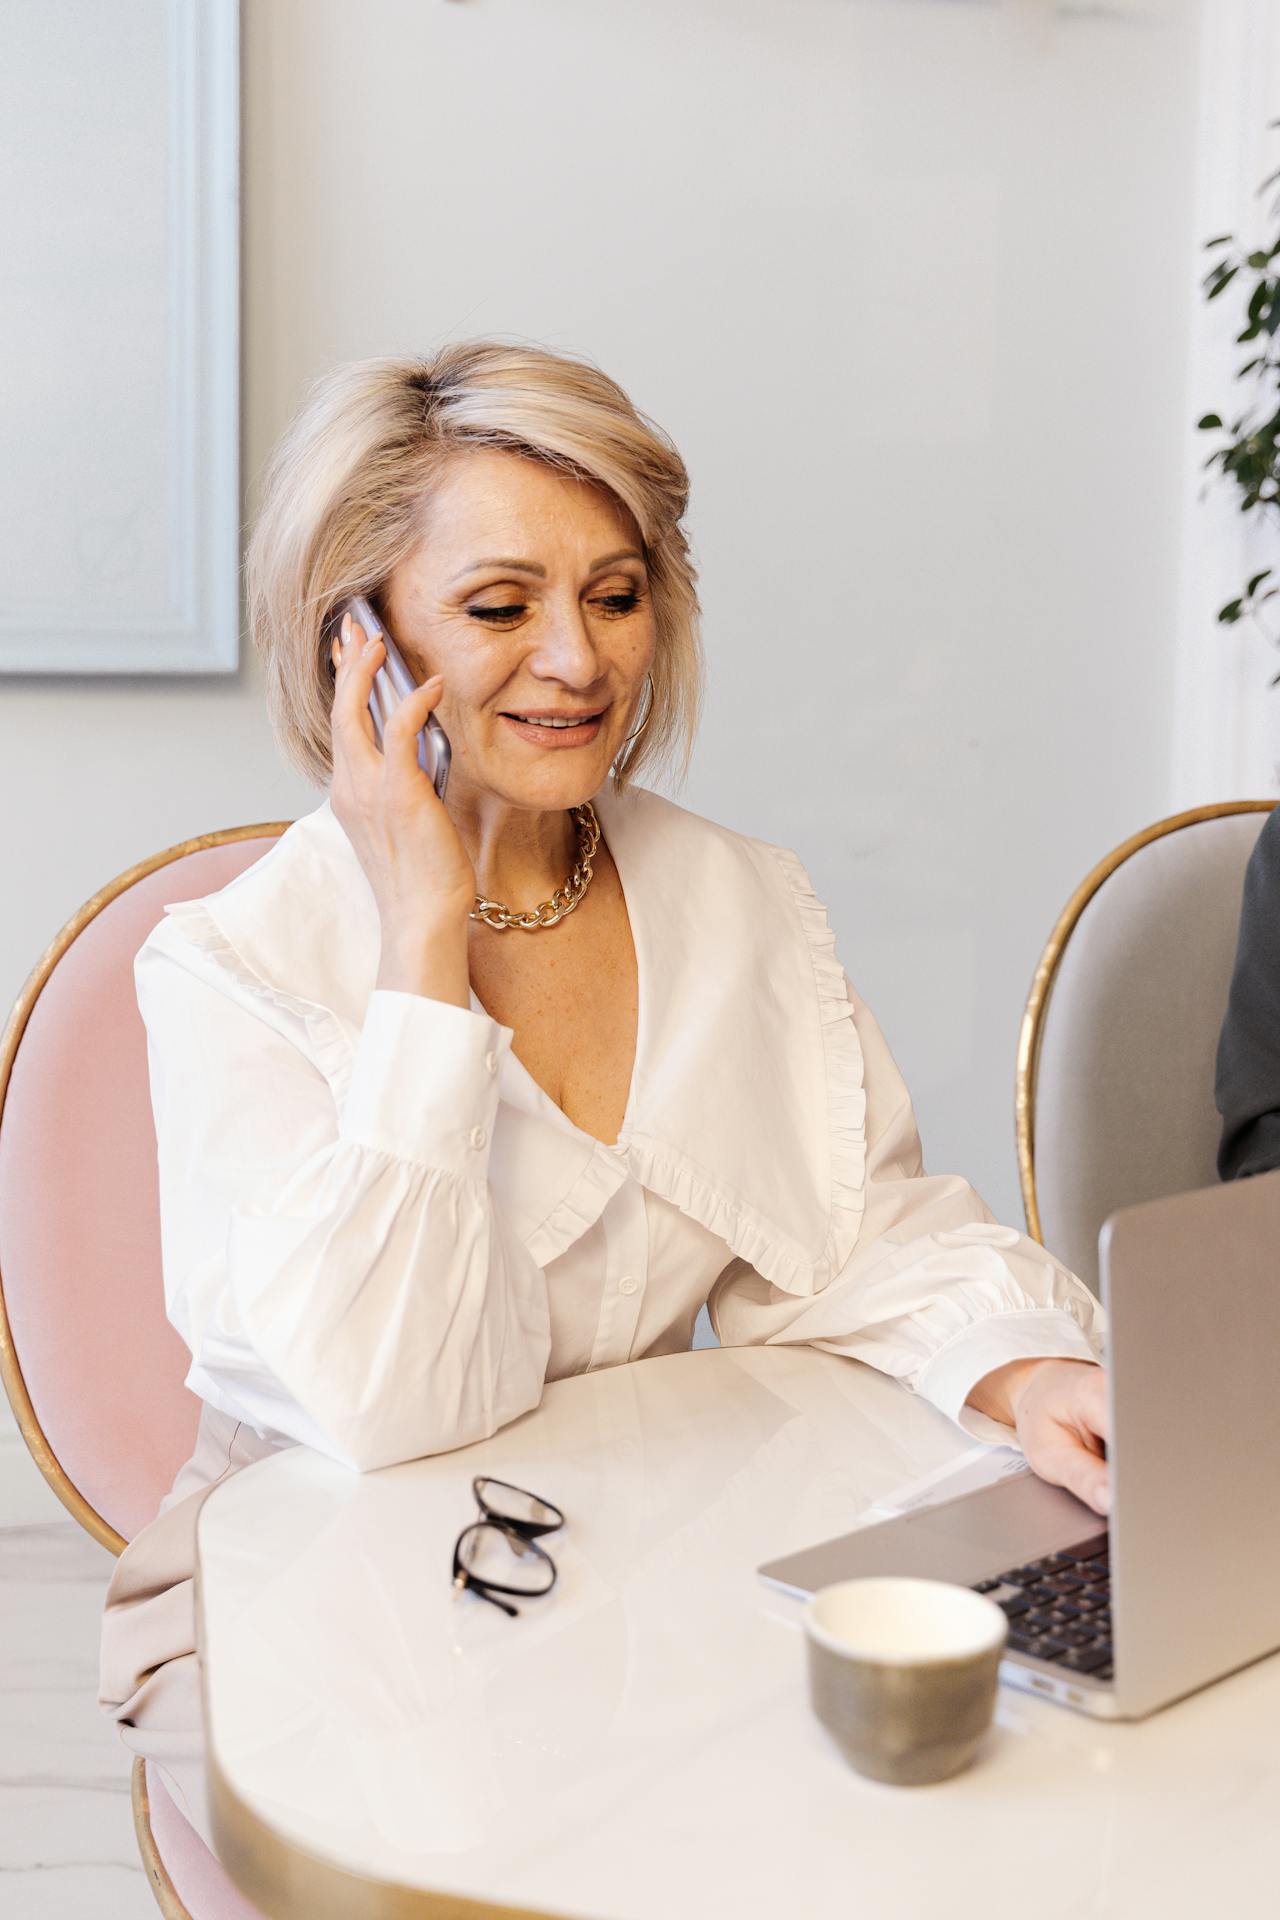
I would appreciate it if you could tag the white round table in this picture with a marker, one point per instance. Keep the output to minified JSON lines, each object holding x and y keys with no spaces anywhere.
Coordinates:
{"x":638,"y":1744}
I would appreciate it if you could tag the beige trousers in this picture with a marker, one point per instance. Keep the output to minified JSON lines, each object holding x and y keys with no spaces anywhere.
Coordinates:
{"x":149,"y":1679}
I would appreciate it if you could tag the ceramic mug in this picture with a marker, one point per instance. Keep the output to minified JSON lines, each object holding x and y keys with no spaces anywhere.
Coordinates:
{"x":903,"y":1673}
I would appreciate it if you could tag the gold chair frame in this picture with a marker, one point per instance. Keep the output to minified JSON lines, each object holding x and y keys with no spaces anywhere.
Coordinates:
{"x":1031,"y":1033}
{"x":167,"y":1897}
{"x":15,"y":1386}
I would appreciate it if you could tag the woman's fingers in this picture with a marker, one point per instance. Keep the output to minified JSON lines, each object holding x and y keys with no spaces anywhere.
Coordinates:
{"x":355,"y":665}
{"x":1094,"y":1412}
{"x":1077,"y":1468}
{"x":1063,"y":1426}
{"x":400,"y":737}
{"x":404,"y":837}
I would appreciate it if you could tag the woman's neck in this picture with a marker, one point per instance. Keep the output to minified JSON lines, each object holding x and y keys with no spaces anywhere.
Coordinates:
{"x":520,"y":855}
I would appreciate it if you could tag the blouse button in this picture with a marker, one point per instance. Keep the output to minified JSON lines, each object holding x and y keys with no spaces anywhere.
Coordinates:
{"x":628,"y":1285}
{"x":477,"y":1136}
{"x":491,"y":1061}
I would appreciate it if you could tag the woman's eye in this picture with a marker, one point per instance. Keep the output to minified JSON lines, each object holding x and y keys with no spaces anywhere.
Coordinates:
{"x":611,"y":604}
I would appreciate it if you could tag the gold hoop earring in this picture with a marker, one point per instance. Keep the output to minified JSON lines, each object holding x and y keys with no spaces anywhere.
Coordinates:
{"x":647,"y":714}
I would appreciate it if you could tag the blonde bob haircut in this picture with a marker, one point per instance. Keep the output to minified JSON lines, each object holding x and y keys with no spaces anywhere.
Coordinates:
{"x":349,"y":483}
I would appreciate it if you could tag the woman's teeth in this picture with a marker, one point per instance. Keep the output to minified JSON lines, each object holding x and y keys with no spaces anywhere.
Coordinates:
{"x":575,"y":720}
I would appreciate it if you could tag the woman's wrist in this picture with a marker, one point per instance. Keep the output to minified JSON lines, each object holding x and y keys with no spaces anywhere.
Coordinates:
{"x":429,"y":958}
{"x":997,"y":1394}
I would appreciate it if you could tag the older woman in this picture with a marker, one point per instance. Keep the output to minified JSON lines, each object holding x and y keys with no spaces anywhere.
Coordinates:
{"x":453,"y":1098}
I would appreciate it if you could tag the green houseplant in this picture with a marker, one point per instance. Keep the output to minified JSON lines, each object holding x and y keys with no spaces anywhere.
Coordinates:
{"x":1250,"y":453}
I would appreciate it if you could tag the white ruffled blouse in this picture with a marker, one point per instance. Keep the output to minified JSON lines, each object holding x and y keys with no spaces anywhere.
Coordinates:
{"x":381,"y":1237}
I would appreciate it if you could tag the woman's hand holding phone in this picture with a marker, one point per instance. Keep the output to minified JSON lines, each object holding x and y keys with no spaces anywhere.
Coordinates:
{"x":404,"y":838}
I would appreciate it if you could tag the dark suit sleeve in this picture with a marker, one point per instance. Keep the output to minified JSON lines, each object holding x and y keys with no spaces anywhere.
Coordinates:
{"x":1247,"y":1087}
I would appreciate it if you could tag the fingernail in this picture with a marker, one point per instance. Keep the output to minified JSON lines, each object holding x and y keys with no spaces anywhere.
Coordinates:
{"x":346,"y":629}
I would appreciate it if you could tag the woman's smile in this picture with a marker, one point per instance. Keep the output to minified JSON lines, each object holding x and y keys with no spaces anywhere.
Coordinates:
{"x":555,"y":726}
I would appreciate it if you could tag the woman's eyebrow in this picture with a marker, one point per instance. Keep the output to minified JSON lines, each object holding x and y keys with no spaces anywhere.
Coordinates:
{"x":532,"y":566}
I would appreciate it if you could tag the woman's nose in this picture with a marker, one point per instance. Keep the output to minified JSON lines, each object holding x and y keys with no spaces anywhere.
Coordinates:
{"x":565,"y":649}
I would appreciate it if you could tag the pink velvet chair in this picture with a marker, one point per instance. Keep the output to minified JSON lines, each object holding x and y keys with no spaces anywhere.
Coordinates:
{"x":93,"y":1370}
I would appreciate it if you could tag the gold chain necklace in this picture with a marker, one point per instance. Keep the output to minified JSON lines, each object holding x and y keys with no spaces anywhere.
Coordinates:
{"x":565,"y":898}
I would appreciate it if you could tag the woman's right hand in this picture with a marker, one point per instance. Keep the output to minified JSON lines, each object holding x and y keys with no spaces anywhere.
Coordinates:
{"x":404,"y":838}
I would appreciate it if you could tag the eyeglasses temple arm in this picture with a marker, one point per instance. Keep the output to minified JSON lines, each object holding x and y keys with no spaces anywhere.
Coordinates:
{"x":463,"y":1579}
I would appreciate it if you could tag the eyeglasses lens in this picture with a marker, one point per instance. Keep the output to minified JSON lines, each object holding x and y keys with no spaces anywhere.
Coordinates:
{"x":496,"y":1558}
{"x":512,"y":1503}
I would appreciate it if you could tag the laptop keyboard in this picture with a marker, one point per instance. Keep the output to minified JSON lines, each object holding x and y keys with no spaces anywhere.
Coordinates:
{"x":1059,"y":1608}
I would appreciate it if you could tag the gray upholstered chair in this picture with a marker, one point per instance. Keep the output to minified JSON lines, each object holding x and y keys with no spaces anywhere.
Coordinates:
{"x":1120,"y":1035}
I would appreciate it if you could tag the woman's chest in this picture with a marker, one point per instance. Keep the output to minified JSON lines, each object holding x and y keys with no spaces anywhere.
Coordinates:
{"x":570,"y":995}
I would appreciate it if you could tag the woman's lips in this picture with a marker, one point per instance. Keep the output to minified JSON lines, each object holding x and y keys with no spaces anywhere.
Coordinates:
{"x":575,"y":736}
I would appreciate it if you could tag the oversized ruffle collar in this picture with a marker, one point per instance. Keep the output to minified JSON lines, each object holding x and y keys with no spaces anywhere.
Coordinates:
{"x":747,"y":1106}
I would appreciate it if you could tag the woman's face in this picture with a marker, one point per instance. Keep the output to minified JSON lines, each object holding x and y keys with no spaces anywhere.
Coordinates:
{"x":528,"y":592}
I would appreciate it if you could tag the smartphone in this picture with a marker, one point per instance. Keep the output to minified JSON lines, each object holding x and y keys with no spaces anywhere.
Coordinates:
{"x":391,"y":683}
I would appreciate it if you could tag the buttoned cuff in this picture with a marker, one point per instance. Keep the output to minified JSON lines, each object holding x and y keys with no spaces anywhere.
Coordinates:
{"x":425,"y":1082}
{"x":947,"y":1380}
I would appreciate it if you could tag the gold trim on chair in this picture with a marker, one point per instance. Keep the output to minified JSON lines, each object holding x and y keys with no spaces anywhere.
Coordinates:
{"x":10,"y":1365}
{"x":1031,"y":1033}
{"x":167,"y":1896}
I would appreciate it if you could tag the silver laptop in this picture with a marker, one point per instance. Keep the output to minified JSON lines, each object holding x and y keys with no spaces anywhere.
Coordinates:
{"x":1182,"y":1584}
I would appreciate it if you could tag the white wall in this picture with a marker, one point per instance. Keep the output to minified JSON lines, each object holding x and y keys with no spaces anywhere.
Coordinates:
{"x":1226,"y":720}
{"x":910,"y":282}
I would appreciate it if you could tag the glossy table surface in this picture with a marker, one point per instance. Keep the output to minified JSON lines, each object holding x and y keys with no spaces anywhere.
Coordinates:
{"x":639,"y":1742}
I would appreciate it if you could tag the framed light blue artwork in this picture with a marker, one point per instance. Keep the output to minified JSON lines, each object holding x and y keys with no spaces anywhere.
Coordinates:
{"x":119,"y":337}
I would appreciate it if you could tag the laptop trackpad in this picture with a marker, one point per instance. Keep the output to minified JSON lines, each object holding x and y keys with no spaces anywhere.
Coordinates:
{"x":962,"y":1540}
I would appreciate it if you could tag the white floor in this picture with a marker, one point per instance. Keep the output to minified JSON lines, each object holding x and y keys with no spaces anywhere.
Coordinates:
{"x":67,"y":1850}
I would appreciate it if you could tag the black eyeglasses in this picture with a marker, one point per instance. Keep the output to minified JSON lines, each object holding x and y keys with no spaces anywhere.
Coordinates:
{"x":499,"y":1554}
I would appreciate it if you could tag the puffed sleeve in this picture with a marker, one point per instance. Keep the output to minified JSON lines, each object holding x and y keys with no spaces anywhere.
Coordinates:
{"x":936,"y":1292}
{"x":339,"y":1270}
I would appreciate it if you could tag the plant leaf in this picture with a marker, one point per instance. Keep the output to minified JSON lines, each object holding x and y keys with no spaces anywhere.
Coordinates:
{"x":1256,"y":581}
{"x":1209,"y":420}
